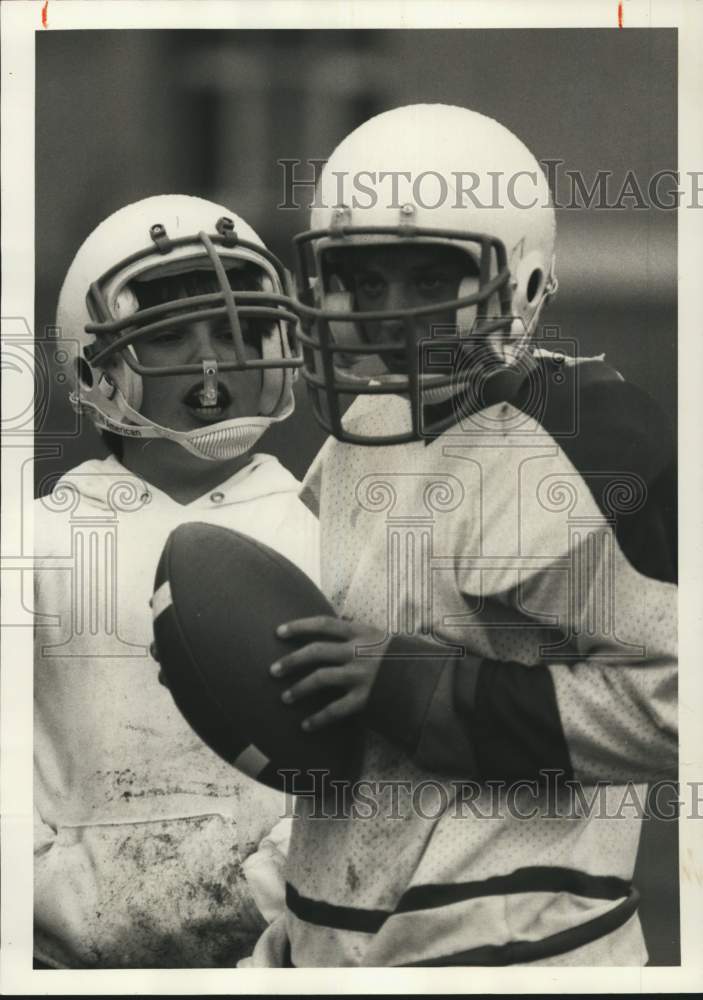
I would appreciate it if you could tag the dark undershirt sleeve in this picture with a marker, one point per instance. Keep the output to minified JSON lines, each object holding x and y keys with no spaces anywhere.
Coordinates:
{"x":465,"y":716}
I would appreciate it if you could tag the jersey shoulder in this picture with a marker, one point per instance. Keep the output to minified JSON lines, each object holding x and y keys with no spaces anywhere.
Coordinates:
{"x":602,"y":421}
{"x":622,"y":444}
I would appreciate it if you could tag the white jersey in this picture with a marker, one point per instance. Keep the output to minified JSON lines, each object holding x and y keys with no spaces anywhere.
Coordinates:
{"x":520,"y":568}
{"x":141,"y":830}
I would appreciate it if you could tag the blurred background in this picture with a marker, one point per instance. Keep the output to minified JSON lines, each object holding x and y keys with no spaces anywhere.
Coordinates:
{"x":125,"y":114}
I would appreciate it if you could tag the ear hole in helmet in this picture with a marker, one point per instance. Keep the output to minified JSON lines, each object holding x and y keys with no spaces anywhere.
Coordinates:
{"x":84,"y":372}
{"x":534,"y":283}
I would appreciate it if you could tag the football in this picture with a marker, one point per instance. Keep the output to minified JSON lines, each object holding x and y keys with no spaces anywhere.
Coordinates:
{"x":218,"y":598}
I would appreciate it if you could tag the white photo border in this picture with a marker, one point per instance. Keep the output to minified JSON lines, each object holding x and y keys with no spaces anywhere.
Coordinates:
{"x":20,"y":23}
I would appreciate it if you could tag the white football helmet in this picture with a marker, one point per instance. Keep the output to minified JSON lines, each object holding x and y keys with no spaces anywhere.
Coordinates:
{"x":424,"y":174}
{"x":99,"y":312}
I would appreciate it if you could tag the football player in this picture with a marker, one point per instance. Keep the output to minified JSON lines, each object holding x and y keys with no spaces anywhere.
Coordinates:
{"x":179,"y":323}
{"x":495,"y":521}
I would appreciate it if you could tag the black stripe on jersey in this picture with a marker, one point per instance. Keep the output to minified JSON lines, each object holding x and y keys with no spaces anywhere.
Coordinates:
{"x":515,"y":725}
{"x":514,"y":952}
{"x":427,"y":897}
{"x":535,"y":879}
{"x":342,"y":918}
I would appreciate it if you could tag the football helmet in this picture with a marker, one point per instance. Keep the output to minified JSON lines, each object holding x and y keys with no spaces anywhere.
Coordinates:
{"x":99,"y":315}
{"x":423,"y":175}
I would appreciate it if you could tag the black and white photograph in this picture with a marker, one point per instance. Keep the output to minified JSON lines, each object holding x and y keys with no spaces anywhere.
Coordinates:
{"x":350,"y":465}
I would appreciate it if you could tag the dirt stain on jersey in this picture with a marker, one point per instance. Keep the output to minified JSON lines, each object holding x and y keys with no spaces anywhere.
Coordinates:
{"x":353,"y":880}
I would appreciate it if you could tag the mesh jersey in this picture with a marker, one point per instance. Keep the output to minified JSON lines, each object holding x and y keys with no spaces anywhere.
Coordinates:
{"x":522,"y":564}
{"x":142,"y":834}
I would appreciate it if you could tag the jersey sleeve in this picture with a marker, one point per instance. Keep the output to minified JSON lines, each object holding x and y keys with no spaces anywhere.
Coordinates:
{"x":600,"y":702}
{"x":265,"y":870}
{"x":597,"y":718}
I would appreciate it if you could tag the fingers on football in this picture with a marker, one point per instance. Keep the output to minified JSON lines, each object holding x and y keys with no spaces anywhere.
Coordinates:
{"x":324,"y":625}
{"x":336,"y":710}
{"x":313,"y":652}
{"x":319,"y":680}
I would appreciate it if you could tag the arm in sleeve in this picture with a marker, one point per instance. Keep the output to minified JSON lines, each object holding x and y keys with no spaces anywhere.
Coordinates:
{"x":474,"y":718}
{"x":601,"y":704}
{"x":596,"y":716}
{"x":491,"y":720}
{"x":265,"y":871}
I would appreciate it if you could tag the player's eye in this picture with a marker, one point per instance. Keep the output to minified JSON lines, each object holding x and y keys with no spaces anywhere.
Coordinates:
{"x":371,"y":286}
{"x":432,"y":283}
{"x":223,"y":334}
{"x":167,"y":338}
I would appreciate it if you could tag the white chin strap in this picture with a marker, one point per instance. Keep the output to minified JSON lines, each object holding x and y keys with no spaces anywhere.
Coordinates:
{"x":217,"y":442}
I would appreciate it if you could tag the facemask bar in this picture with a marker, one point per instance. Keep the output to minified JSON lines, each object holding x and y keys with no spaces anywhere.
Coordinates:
{"x":98,"y":356}
{"x":247,"y":304}
{"x":318,"y":343}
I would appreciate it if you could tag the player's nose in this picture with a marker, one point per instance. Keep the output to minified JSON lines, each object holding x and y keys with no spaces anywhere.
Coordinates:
{"x":396,"y":299}
{"x":392,"y":331}
{"x":205,"y":344}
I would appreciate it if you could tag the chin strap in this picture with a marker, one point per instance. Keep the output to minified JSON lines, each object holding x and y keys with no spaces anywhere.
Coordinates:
{"x":223,"y":440}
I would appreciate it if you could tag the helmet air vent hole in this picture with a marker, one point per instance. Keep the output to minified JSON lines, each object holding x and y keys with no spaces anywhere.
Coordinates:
{"x":534,"y":284}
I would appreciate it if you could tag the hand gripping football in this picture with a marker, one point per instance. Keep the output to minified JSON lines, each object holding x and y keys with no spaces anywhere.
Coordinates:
{"x":218,"y":597}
